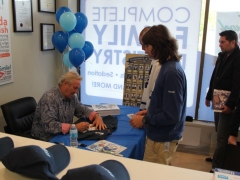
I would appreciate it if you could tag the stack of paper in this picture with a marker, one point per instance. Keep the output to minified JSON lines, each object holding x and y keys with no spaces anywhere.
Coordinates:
{"x":106,"y":109}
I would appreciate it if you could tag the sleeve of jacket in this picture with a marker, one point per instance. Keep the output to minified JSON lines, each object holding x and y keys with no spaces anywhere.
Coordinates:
{"x":49,"y":115}
{"x":209,"y":95}
{"x":81,"y":110}
{"x":232,"y":100}
{"x":235,"y":120}
{"x":173,"y":101}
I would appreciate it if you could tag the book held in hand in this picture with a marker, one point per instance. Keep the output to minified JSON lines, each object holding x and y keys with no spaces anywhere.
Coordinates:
{"x":106,"y":109}
{"x":220,"y":97}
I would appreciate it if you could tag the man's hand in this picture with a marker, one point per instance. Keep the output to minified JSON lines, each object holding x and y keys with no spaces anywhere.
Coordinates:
{"x":232,"y":140}
{"x":136,"y":121}
{"x":143,"y":112}
{"x":98,"y":123}
{"x":82,"y":126}
{"x":207,"y":103}
{"x":226,"y":109}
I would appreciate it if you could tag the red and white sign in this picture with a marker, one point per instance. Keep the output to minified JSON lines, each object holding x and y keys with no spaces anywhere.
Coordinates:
{"x":6,"y":70}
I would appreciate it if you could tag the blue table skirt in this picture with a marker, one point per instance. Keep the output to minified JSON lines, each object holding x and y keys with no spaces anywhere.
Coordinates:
{"x":125,"y":135}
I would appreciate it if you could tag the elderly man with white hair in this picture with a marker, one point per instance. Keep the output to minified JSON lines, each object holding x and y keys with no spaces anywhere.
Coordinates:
{"x":57,"y":107}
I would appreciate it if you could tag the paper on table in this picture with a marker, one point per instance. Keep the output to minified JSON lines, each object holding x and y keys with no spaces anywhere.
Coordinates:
{"x":130,"y":115}
{"x":106,"y":146}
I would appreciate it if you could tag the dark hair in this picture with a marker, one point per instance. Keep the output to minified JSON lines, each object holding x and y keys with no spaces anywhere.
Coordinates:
{"x":144,"y":30}
{"x":230,"y":35}
{"x":164,"y":45}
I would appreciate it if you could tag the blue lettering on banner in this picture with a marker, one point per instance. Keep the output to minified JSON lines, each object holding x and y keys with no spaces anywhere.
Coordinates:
{"x":101,"y":85}
{"x":139,"y":14}
{"x":128,"y":36}
{"x":117,"y":86}
{"x":105,"y":85}
{"x":100,"y":73}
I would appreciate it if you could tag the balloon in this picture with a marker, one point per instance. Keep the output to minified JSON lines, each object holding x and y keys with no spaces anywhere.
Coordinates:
{"x":88,"y":49}
{"x":66,"y":60}
{"x":60,"y":11}
{"x":71,"y":32}
{"x":68,"y":21}
{"x":76,"y":57}
{"x":60,"y":40}
{"x":82,"y":22}
{"x":76,"y":40}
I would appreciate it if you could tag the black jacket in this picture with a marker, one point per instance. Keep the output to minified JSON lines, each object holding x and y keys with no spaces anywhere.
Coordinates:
{"x":111,"y":123}
{"x":226,"y":76}
{"x":235,"y":120}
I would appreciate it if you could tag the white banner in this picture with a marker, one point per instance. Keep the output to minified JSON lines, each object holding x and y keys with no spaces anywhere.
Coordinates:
{"x":227,"y":21}
{"x":113,"y":29}
{"x":6,"y":70}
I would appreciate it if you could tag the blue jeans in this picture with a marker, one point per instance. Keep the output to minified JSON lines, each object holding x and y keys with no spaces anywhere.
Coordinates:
{"x":222,"y":126}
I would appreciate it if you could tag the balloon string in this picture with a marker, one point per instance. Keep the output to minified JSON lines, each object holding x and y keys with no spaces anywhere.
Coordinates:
{"x":62,"y":63}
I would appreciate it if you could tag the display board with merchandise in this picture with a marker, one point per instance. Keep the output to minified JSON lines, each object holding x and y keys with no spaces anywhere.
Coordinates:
{"x":137,"y":68}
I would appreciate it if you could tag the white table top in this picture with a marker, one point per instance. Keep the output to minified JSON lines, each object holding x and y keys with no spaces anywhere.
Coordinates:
{"x":137,"y":169}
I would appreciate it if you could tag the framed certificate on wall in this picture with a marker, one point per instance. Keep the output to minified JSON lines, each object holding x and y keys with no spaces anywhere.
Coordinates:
{"x":47,"y":6}
{"x":47,"y":31}
{"x":22,"y":16}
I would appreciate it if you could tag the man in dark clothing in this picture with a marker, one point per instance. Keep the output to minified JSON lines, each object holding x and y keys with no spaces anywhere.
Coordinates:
{"x":226,"y":76}
{"x":235,"y":124}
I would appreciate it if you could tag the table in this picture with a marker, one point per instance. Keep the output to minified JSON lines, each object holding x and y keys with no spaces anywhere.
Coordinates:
{"x":125,"y":135}
{"x":138,"y":170}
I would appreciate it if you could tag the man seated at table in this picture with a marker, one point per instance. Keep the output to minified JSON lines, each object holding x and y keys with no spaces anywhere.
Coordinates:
{"x":57,"y":107}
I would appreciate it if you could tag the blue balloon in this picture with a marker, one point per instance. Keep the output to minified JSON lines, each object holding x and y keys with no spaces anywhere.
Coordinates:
{"x":68,"y":21}
{"x":76,"y":40}
{"x":76,"y":57}
{"x":82,"y":22}
{"x":88,"y":49}
{"x":60,"y":11}
{"x":71,"y":32}
{"x":60,"y":40}
{"x":66,"y":60}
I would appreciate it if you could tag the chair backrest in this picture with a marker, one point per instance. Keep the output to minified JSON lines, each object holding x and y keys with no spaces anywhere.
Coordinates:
{"x":19,"y":114}
{"x":232,"y":158}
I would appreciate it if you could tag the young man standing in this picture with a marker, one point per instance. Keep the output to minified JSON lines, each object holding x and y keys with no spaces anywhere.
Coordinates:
{"x":165,"y":117}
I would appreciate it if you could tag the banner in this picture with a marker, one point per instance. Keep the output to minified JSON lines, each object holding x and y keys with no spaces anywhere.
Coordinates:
{"x":227,"y":21}
{"x":113,"y":28}
{"x":6,"y":70}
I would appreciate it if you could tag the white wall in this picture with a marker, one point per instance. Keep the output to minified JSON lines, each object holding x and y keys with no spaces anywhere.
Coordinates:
{"x":34,"y":71}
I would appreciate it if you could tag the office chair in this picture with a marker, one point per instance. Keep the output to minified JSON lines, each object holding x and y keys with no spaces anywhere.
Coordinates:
{"x":18,"y":115}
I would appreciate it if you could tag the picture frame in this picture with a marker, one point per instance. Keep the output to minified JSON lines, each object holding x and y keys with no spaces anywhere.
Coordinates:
{"x":47,"y":6}
{"x":47,"y":30}
{"x":22,"y":16}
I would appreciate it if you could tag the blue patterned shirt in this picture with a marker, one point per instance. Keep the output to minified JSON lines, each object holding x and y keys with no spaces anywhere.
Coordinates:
{"x":52,"y":110}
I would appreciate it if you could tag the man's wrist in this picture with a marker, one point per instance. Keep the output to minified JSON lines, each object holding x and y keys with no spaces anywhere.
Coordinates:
{"x":96,"y":115}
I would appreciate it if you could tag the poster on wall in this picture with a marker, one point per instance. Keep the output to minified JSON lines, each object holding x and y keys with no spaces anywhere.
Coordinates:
{"x":114,"y":29}
{"x":6,"y":70}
